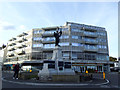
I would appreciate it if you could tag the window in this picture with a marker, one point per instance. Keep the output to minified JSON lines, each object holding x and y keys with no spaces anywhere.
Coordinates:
{"x":49,"y":46}
{"x":60,"y":63}
{"x":64,"y":29}
{"x":101,"y":39}
{"x":90,"y":40}
{"x":37,"y":31}
{"x":90,"y":33}
{"x":67,"y":65}
{"x":65,"y":54}
{"x":64,"y":37}
{"x":37,"y":38}
{"x":90,"y":47}
{"x":102,"y":33}
{"x":76,"y":30}
{"x":77,"y":44}
{"x":49,"y":32}
{"x":49,"y":39}
{"x":51,"y":65}
{"x":102,"y":46}
{"x":74,"y":55}
{"x":37,"y":45}
{"x":102,"y":57}
{"x":64,"y":44}
{"x":74,"y":37}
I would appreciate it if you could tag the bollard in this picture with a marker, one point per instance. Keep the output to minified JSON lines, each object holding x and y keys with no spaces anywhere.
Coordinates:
{"x":30,"y":70}
{"x":86,"y":71}
{"x":104,"y":75}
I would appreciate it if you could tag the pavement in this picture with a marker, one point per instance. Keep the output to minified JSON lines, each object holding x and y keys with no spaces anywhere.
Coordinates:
{"x":7,"y":78}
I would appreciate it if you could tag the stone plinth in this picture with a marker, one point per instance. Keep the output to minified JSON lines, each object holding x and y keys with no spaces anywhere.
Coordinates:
{"x":57,"y":53}
{"x":57,"y":56}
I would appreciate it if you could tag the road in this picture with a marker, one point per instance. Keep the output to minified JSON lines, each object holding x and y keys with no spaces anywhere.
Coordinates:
{"x":112,"y":77}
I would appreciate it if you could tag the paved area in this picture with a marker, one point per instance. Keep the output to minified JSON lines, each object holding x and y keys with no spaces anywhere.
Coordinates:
{"x":8,"y":82}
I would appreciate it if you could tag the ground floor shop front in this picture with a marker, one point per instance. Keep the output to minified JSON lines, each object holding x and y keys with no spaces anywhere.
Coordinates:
{"x":91,"y":67}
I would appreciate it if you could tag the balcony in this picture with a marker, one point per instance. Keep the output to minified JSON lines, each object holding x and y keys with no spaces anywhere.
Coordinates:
{"x":19,"y":45}
{"x":11,"y":49}
{"x":24,"y":39}
{"x":11,"y":55}
{"x":19,"y":39}
{"x":9,"y":52}
{"x":10,"y":43}
{"x":20,"y":51}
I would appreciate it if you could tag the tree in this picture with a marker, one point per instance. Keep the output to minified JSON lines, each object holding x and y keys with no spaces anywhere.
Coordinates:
{"x":113,"y":59}
{"x":3,"y":46}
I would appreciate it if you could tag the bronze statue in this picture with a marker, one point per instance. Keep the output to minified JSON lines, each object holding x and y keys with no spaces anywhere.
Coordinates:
{"x":57,"y":35}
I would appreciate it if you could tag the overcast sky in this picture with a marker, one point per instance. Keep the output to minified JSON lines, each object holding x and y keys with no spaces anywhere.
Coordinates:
{"x":17,"y":17}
